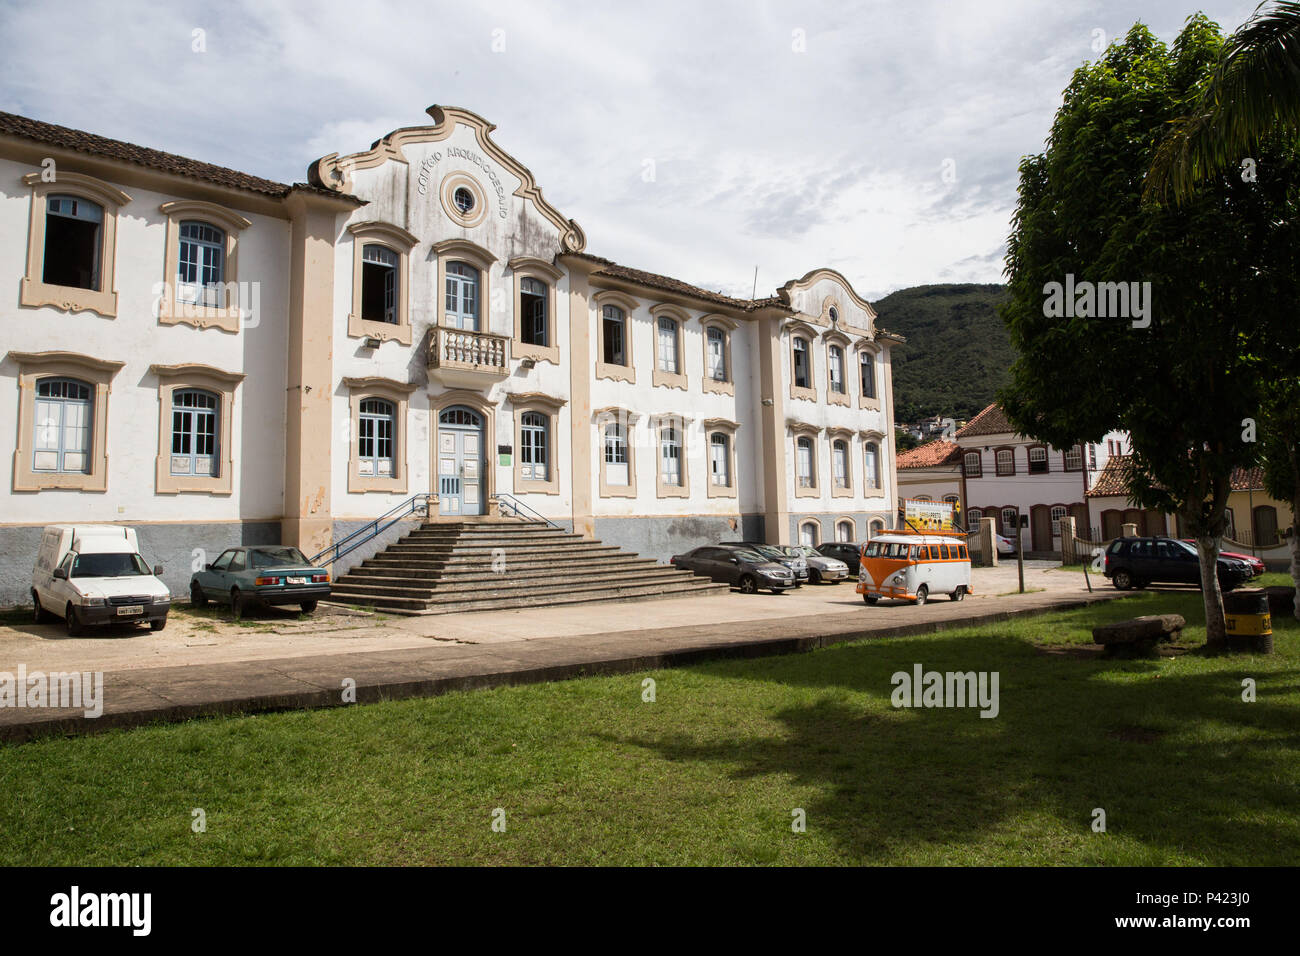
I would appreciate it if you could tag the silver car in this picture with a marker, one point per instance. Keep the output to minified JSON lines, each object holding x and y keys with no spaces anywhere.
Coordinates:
{"x":820,"y":567}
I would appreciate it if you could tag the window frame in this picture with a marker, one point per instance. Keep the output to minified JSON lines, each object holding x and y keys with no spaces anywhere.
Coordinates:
{"x":94,"y":372}
{"x":627,"y":420}
{"x":396,"y":240}
{"x":1075,"y":449}
{"x":813,"y":488}
{"x":869,"y":352}
{"x":726,"y":429}
{"x":34,"y":292}
{"x":676,"y":424}
{"x":724,"y":326}
{"x":628,"y":307}
{"x":228,"y":315}
{"x":64,"y":402}
{"x":536,"y":403}
{"x":1029,"y":460}
{"x":978,"y":472}
{"x":525,"y":267}
{"x":662,"y":377}
{"x":398,"y":394}
{"x":204,"y":378}
{"x":873,"y":484}
{"x":844,"y":438}
{"x":997,"y":464}
{"x":474,"y":256}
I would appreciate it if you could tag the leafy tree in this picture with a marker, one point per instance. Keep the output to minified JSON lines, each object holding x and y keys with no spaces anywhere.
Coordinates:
{"x":1253,"y":91}
{"x":905,"y":441}
{"x":1183,"y":379}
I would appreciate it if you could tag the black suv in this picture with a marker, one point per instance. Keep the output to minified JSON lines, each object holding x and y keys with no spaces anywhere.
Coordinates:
{"x":850,"y":552}
{"x":740,"y":567}
{"x":1137,"y":562}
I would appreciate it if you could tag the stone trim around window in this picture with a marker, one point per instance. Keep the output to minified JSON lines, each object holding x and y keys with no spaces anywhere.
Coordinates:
{"x":877,"y":352}
{"x":228,"y":316}
{"x":729,"y":428}
{"x":401,"y":242}
{"x":998,"y":472}
{"x":528,"y":267}
{"x":472,"y":254}
{"x":830,"y":338}
{"x":662,"y":377}
{"x":399,"y":394}
{"x":209,"y":379}
{"x":549,"y":407}
{"x":450,"y":183}
{"x":611,"y":415}
{"x":879,"y":438}
{"x":808,"y":333}
{"x":678,"y":422}
{"x":726,"y":326}
{"x":846,"y":436}
{"x":621,"y":373}
{"x":812,"y":432}
{"x":33,"y":291}
{"x":97,"y":373}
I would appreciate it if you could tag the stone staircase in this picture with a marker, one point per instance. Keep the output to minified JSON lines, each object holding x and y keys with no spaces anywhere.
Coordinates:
{"x":442,"y":567}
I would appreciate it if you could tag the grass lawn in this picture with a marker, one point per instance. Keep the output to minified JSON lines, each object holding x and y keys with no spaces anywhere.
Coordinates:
{"x":586,"y":772}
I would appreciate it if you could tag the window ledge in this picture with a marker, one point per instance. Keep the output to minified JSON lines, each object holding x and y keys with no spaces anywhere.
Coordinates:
{"x":807,"y":394}
{"x":838,"y":398}
{"x":68,"y":298}
{"x":360,"y":485}
{"x":201,"y":317}
{"x":719,"y":388}
{"x":663,"y":379}
{"x":530,"y":486}
{"x":617,"y":491}
{"x":842,"y":493}
{"x":538,"y":353}
{"x":721,"y":491}
{"x":620,"y":373}
{"x":359,"y":328}
{"x":673,"y":491}
{"x":864,"y":402}
{"x":801,"y":492}
{"x":52,"y":481}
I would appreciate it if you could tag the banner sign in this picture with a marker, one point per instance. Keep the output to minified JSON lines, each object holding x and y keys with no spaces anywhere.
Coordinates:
{"x":930,"y":515}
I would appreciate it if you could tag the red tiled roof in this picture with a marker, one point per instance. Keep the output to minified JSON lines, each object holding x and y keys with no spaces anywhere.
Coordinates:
{"x":1113,"y":480}
{"x":652,"y":280}
{"x":938,"y":452}
{"x":79,"y":141}
{"x":991,"y":421}
{"x":1248,"y":479}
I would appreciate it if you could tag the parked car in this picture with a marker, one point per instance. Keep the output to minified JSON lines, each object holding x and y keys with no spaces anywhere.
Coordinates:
{"x":850,"y":552}
{"x":912,"y":567}
{"x":797,"y":563}
{"x":92,"y":575}
{"x":738,"y":566}
{"x":272,"y":574}
{"x":820,"y":567}
{"x":1256,"y":564}
{"x":1137,"y":562}
{"x":1006,"y":546}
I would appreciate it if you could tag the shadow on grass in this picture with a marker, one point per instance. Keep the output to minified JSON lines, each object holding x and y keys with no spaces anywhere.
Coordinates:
{"x":1178,"y":761}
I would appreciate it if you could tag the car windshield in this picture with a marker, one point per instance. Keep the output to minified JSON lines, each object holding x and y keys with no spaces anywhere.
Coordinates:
{"x":770,"y":551}
{"x":1186,"y":547}
{"x":750,"y":556}
{"x":803,"y":551}
{"x":274,"y":557}
{"x":108,"y":565}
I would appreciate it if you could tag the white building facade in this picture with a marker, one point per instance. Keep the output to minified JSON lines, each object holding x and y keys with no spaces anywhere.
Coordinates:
{"x":217,"y":359}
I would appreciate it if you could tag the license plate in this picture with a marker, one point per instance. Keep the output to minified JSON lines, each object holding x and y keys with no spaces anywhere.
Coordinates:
{"x":296,"y":580}
{"x":129,"y":609}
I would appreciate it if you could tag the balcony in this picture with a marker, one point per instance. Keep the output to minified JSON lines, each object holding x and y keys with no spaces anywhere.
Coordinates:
{"x":462,"y":359}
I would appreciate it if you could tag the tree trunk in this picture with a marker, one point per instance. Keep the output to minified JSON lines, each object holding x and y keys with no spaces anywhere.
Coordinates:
{"x":1216,"y":633}
{"x":1295,"y":547}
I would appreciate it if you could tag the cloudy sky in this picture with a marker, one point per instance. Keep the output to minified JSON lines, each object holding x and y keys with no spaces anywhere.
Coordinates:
{"x":698,"y":139}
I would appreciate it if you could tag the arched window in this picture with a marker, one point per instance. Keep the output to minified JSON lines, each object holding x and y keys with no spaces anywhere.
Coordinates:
{"x":616,"y":454}
{"x":844,"y":530}
{"x":871,"y":462}
{"x":971,"y":463}
{"x":1074,"y":459}
{"x":1057,"y":513}
{"x":533,"y":430}
{"x":73,"y":230}
{"x":717,"y":353}
{"x":462,"y":296}
{"x":867,"y":374}
{"x":1010,"y":521}
{"x":670,"y":455}
{"x":375,"y":438}
{"x":64,"y":415}
{"x":835,"y":358}
{"x":875,"y":527}
{"x":669,"y":360}
{"x":720,"y":459}
{"x":533,"y":325}
{"x":1005,"y":461}
{"x":201,"y":264}
{"x":194,"y":432}
{"x":614,"y":335}
{"x":379,"y":283}
{"x":1037,"y":460}
{"x":805,"y":464}
{"x":840,"y":462}
{"x":973,"y":517}
{"x":810,"y":534}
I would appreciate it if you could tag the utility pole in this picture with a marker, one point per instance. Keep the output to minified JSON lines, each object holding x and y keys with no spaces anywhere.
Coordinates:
{"x":755,"y":291}
{"x":1021,"y":522}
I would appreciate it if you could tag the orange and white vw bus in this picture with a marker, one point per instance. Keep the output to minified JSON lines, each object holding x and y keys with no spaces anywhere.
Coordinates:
{"x":913,"y":567}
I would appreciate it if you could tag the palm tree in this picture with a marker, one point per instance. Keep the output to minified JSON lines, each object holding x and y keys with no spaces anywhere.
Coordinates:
{"x":1253,"y":91}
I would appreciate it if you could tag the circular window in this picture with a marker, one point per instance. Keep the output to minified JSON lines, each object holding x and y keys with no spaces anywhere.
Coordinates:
{"x":835,"y":314}
{"x":464,"y":200}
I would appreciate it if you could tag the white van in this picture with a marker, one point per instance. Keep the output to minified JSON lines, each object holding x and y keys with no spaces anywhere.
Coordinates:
{"x":93,"y":574}
{"x":912,"y":567}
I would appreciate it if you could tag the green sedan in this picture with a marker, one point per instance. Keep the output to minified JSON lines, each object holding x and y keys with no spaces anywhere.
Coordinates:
{"x":265,"y":575}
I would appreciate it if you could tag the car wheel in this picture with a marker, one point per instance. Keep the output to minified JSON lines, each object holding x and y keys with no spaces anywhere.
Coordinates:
{"x":748,"y":585}
{"x":237,"y":607}
{"x":39,"y":615}
{"x":158,"y":625}
{"x":958,"y":594}
{"x":814,"y":576}
{"x":1122,"y":580}
{"x":307,"y":606}
{"x":922,"y":595}
{"x":870,"y":598}
{"x":197,"y":597}
{"x":71,"y":621}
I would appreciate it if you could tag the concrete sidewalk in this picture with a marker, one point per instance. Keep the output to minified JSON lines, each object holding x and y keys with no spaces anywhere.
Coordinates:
{"x":616,"y":640}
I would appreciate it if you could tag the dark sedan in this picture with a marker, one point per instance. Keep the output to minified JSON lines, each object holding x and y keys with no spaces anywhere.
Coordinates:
{"x":850,"y":552}
{"x":740,"y":567}
{"x":263,"y":575}
{"x":1137,"y":562}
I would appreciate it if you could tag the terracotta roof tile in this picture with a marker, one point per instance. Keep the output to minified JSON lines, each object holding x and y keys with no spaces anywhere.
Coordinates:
{"x":991,"y":421}
{"x":938,"y":452}
{"x":653,"y":280}
{"x":1113,"y":480}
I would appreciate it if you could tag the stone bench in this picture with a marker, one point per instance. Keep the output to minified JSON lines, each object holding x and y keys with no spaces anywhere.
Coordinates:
{"x":1139,"y":635}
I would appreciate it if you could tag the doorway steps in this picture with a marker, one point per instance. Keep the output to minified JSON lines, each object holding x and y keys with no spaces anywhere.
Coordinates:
{"x":445,"y":567}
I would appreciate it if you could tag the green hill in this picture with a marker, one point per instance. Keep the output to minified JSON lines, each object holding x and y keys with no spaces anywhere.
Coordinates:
{"x":957,"y":352}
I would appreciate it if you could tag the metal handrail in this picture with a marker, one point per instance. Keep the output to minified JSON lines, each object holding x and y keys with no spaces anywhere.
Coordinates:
{"x":416,"y":503}
{"x":502,"y":498}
